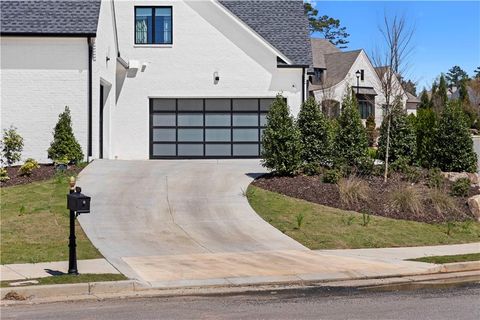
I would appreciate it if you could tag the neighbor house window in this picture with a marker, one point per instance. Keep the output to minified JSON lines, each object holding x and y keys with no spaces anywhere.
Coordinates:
{"x":153,"y":25}
{"x":366,"y":105}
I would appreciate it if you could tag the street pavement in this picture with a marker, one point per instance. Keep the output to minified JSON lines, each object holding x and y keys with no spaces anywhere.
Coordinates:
{"x":459,"y":303}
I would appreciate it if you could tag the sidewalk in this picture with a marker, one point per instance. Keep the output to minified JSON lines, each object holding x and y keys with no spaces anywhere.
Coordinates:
{"x":9,"y":272}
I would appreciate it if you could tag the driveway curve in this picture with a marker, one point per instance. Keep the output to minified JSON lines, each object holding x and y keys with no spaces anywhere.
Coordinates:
{"x":144,"y":209}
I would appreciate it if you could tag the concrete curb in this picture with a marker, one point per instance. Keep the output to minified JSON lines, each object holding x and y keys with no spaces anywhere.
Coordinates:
{"x":132,"y":288}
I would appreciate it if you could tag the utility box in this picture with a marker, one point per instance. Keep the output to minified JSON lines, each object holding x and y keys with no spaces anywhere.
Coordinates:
{"x":78,"y":202}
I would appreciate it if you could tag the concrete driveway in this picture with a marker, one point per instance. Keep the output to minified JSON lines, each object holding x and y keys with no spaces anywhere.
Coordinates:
{"x":187,"y":223}
{"x":167,"y":208}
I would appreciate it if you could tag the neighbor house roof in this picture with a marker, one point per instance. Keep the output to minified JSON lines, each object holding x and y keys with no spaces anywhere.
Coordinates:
{"x":411,"y":98}
{"x":281,"y":23}
{"x":321,"y":47}
{"x":49,"y":17}
{"x":338,"y":65}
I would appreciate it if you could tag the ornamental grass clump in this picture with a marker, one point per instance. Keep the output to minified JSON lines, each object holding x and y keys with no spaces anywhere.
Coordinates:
{"x":407,"y":200}
{"x":353,"y":191}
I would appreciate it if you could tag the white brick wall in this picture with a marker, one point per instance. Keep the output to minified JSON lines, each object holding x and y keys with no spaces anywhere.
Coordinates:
{"x":39,"y":77}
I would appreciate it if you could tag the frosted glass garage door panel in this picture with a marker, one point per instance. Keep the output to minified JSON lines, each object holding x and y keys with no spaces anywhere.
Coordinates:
{"x":218,"y":150}
{"x":245,"y":104}
{"x":245,"y":134}
{"x":217,"y":104}
{"x":217,"y":134}
{"x":190,"y":120}
{"x":164,"y":150}
{"x":164,"y":104}
{"x":217,"y":120}
{"x":245,"y":150}
{"x":245,"y":120}
{"x":190,"y":135}
{"x":164,"y":135}
{"x":265,"y":104}
{"x":193,"y":150}
{"x":263,"y":120}
{"x":164,"y":120}
{"x":190,"y":105}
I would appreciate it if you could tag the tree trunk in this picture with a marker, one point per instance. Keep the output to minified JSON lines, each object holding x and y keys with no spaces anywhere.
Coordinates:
{"x":387,"y":149}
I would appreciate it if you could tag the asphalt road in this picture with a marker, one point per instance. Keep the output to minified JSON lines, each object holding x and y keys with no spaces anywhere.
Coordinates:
{"x":451,"y":303}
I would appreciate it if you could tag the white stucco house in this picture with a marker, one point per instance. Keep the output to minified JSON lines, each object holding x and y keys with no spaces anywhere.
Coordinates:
{"x":151,"y":79}
{"x":336,"y":71}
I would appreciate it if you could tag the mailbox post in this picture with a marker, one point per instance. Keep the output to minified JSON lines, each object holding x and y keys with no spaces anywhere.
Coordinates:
{"x":77,"y":203}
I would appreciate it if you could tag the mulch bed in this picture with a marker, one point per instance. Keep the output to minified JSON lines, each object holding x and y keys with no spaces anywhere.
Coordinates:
{"x":311,"y":188}
{"x":45,"y":172}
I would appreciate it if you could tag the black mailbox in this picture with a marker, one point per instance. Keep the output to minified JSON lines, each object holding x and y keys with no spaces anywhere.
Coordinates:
{"x":78,"y":202}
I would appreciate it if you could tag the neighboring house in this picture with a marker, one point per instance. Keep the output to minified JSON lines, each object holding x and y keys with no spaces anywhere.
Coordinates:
{"x":334,"y":72}
{"x":412,"y":103}
{"x":473,"y":95}
{"x":151,"y":79}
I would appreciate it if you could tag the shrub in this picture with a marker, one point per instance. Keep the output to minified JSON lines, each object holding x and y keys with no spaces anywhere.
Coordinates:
{"x":281,"y":140}
{"x":64,"y":144}
{"x":371,"y":129}
{"x":453,"y":144}
{"x":413,"y":174}
{"x":402,"y":136}
{"x":27,"y":168}
{"x":12,"y":146}
{"x":372,"y":153}
{"x":4,"y":175}
{"x":407,"y":200}
{"x":332,"y":176}
{"x":350,"y":139}
{"x":460,"y":187}
{"x":425,"y":127}
{"x":435,"y":178}
{"x":365,"y":166}
{"x":353,"y":191}
{"x":314,"y":128}
{"x":311,"y":169}
{"x":441,"y":201}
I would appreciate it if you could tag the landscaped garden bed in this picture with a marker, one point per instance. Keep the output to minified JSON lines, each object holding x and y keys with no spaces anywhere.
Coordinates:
{"x":43,"y":172}
{"x":391,"y":199}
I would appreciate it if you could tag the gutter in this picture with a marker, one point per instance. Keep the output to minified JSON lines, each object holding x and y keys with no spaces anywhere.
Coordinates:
{"x":47,"y":34}
{"x":114,"y":17}
{"x":90,"y":102}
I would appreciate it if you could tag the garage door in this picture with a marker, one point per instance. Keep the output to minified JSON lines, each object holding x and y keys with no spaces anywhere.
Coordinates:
{"x":207,"y":128}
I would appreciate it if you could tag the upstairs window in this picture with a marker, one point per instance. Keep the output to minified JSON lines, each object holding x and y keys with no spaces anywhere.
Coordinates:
{"x":153,"y":25}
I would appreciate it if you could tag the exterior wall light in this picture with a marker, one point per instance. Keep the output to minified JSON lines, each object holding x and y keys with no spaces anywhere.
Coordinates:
{"x":216,"y":77}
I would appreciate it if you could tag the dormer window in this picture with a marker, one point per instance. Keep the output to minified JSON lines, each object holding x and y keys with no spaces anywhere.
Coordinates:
{"x":153,"y":25}
{"x":317,"y":76}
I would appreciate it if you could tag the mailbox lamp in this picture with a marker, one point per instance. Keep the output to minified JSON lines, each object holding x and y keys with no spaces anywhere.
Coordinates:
{"x":77,"y":203}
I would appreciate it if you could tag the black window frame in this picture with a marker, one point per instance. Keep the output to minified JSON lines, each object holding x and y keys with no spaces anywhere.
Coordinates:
{"x":153,"y":8}
{"x":367,"y":100}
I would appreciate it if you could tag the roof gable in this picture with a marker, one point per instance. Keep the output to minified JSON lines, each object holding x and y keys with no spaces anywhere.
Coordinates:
{"x":50,"y":17}
{"x":281,"y":23}
{"x":338,"y":64}
{"x":321,"y":47}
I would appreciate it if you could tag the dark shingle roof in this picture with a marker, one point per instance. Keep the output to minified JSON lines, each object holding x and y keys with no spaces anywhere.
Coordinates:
{"x":69,"y":17}
{"x":281,"y":23}
{"x":321,"y":47}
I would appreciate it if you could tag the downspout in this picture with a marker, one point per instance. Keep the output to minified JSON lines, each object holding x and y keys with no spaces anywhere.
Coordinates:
{"x":304,"y":87}
{"x":90,"y":102}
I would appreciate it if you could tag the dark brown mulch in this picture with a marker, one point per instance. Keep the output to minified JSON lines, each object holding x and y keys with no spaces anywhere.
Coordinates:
{"x":45,"y":172}
{"x":311,"y":188}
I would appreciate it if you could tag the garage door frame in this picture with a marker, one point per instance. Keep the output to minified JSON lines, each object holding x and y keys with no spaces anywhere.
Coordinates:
{"x":261,"y":109}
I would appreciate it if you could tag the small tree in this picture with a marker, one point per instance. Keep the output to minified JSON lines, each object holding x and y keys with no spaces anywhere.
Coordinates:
{"x":64,"y":144}
{"x":314,"y":129}
{"x":372,"y":132}
{"x":402,"y":135}
{"x":440,"y":98}
{"x":424,"y":100}
{"x":351,"y":144}
{"x":281,"y":140}
{"x":12,"y":146}
{"x":455,"y":75}
{"x":425,"y":127}
{"x":453,"y":144}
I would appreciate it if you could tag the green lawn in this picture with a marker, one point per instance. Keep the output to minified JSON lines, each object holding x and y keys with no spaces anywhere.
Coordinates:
{"x":34,"y":224}
{"x":330,"y":228}
{"x":450,"y":259}
{"x":81,"y":278}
